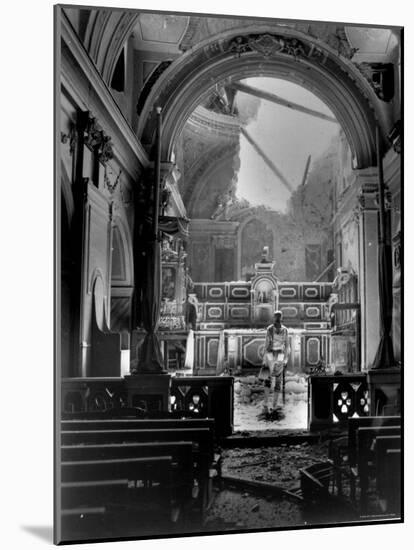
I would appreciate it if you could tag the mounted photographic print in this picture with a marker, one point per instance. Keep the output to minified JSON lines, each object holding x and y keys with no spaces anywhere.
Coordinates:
{"x":229,"y":258}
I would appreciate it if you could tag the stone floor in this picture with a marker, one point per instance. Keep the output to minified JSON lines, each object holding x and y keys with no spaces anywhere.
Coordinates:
{"x":276,"y":465}
{"x":234,"y":510}
{"x":275,"y":470}
{"x":248,"y":404}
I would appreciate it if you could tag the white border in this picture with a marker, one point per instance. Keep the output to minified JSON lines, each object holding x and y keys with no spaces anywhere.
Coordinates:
{"x":26,"y":274}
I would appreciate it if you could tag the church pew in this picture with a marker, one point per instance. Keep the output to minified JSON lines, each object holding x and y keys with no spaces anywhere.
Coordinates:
{"x":201,"y":437}
{"x":182,"y":453}
{"x":126,"y":423}
{"x":365,"y":461}
{"x":393,"y":481}
{"x":383,"y":473}
{"x":366,"y":422}
{"x":147,"y":469}
{"x":117,"y":488}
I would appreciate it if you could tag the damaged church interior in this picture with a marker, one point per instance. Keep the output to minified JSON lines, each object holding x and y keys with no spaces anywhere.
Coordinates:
{"x":220,"y":181}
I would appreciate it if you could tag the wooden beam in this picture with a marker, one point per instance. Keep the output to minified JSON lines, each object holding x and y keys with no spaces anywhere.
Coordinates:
{"x":305,"y":174}
{"x":280,"y":101}
{"x":267,"y":160}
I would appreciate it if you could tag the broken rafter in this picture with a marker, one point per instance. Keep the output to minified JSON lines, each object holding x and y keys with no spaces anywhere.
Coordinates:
{"x":267,"y":160}
{"x":280,"y":101}
{"x":305,"y":174}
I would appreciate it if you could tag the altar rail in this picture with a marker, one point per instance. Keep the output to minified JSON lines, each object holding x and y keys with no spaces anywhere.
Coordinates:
{"x":334,"y":399}
{"x":194,"y":397}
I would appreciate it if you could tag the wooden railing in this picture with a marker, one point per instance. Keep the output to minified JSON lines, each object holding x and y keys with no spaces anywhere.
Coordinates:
{"x":191,"y":397}
{"x":205,"y":397}
{"x":334,"y":399}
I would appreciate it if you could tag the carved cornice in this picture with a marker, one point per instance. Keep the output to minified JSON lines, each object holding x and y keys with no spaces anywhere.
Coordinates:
{"x":204,"y":120}
{"x":207,"y":227}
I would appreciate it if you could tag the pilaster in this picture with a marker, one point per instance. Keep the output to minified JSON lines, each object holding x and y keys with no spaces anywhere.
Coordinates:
{"x":366,"y":214}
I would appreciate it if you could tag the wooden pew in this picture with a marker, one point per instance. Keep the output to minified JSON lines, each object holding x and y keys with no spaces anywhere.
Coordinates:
{"x":364,"y":468}
{"x":115,"y":488}
{"x":393,"y":486}
{"x":201,"y":436}
{"x":388,"y":476}
{"x":137,"y":440}
{"x":126,"y":423}
{"x":366,"y":422}
{"x":182,"y":454}
{"x":343,"y":451}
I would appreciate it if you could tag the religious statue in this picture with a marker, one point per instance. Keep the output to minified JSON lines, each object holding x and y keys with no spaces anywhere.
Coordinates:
{"x":265,"y":255}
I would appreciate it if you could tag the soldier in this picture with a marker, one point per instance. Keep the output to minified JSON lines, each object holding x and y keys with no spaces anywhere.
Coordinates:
{"x":274,"y":361}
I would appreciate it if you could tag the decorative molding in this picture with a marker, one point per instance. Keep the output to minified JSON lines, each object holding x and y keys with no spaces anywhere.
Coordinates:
{"x":268,"y":45}
{"x":205,"y":120}
{"x":71,"y":137}
{"x":97,"y":141}
{"x":112,"y":186}
{"x":86,"y":69}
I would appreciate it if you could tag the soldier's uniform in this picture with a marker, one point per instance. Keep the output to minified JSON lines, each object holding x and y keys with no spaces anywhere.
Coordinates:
{"x":274,"y":362}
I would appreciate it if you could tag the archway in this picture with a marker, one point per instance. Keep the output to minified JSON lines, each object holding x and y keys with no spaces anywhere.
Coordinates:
{"x":266,"y":50}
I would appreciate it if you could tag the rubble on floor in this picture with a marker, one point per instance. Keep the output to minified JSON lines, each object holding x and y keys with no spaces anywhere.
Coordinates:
{"x":234,"y":511}
{"x":248,"y":404}
{"x":276,"y":465}
{"x":254,"y":484}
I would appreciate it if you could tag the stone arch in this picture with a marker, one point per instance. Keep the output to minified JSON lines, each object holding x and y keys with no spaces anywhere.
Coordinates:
{"x":320,"y":69}
{"x":205,"y":172}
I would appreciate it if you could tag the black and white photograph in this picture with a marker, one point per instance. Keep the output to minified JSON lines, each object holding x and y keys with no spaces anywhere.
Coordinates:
{"x":229,"y":231}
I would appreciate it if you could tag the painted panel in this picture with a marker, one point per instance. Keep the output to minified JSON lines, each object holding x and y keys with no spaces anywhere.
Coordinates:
{"x":288,"y":292}
{"x":214,"y":312}
{"x":239,"y":312}
{"x":212,"y":351}
{"x":311,"y":292}
{"x":216,"y":292}
{"x":313,"y":350}
{"x":239,"y":292}
{"x":290,"y":312}
{"x":253,"y":351}
{"x":313,"y":312}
